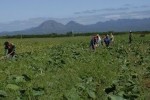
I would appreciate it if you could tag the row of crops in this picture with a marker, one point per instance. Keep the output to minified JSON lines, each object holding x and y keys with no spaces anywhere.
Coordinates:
{"x":66,"y":69}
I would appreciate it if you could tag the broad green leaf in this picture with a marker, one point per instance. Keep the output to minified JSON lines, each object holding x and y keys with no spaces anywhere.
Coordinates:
{"x":114,"y":97}
{"x":121,"y":93}
{"x":3,"y":93}
{"x":80,"y":85}
{"x":72,"y":95}
{"x":91,"y":94}
{"x":90,"y":79}
{"x":37,"y":93}
{"x":19,"y":79}
{"x":13,"y":87}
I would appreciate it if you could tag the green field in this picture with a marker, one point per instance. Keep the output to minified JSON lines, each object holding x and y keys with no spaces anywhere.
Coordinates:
{"x":66,"y":69}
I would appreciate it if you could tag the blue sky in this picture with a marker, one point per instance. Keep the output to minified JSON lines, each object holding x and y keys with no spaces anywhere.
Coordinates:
{"x":84,"y":10}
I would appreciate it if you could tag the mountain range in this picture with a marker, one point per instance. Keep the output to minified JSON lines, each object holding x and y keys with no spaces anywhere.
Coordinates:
{"x":51,"y":26}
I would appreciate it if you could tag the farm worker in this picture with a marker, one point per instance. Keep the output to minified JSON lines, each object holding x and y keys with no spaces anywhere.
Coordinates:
{"x":98,"y":39}
{"x":130,"y":37}
{"x":93,"y":42}
{"x":9,"y":49}
{"x":111,"y":38}
{"x":107,"y":40}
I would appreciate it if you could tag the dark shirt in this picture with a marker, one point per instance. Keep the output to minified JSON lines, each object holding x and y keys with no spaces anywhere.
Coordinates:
{"x":93,"y":41}
{"x":11,"y":50}
{"x":107,"y":41}
{"x":130,"y":35}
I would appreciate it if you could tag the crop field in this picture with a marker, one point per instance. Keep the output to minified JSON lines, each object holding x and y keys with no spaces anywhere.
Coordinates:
{"x":65,"y":68}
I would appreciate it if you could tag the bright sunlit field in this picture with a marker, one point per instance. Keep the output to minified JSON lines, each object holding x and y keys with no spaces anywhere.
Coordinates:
{"x":65,"y":68}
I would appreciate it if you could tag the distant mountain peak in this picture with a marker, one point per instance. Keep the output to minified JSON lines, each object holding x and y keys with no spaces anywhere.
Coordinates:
{"x":51,"y":26}
{"x":49,"y":23}
{"x":72,"y":23}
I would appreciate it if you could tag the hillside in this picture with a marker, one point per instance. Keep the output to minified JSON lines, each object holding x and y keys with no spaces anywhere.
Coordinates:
{"x":51,"y":26}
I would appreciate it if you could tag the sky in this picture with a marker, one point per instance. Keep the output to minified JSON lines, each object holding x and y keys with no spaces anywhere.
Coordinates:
{"x":83,"y":10}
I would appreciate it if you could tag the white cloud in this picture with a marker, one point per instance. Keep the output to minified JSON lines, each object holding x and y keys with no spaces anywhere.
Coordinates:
{"x":102,"y":10}
{"x":113,"y":17}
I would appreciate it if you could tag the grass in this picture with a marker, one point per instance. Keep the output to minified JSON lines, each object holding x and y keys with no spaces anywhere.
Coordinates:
{"x":65,"y":68}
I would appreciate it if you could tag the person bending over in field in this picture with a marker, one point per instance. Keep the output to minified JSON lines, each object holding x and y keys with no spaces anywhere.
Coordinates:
{"x":93,"y":42}
{"x":111,"y":38}
{"x":98,"y":39}
{"x":9,"y":49}
{"x":107,"y":40}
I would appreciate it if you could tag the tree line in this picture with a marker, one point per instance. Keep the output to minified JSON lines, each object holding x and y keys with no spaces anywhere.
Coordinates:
{"x":71,"y":34}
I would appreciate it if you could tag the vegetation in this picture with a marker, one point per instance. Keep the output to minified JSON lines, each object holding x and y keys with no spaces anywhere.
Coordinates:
{"x":69,"y":34}
{"x":64,"y":68}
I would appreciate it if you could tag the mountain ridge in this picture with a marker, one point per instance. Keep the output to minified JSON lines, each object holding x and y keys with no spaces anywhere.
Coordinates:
{"x":51,"y":26}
